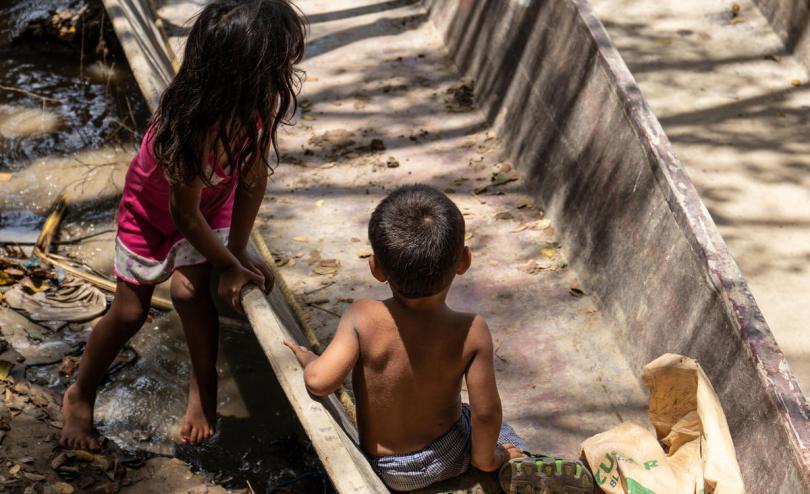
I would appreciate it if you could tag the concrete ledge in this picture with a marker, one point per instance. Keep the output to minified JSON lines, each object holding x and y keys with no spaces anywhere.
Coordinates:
{"x":566,"y":105}
{"x":791,"y":21}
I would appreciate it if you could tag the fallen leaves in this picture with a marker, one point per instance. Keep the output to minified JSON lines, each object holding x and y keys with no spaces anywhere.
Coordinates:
{"x":5,"y":177}
{"x":795,"y":82}
{"x":541,"y":224}
{"x":5,"y":369}
{"x":460,"y":98}
{"x":326,"y":267}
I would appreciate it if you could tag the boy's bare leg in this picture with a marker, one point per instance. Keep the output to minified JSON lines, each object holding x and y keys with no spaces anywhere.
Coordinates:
{"x":192,"y":301}
{"x":125,"y":317}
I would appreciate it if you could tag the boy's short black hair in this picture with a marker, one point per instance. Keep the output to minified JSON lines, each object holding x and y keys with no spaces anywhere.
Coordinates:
{"x":417,"y":234}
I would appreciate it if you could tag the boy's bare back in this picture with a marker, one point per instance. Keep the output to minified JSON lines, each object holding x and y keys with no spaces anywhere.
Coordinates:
{"x":407,"y":380}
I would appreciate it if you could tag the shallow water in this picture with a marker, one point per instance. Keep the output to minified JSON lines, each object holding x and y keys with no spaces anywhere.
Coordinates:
{"x":56,"y":103}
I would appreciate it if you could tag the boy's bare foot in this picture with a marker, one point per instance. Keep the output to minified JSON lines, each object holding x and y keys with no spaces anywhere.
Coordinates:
{"x":77,"y":412}
{"x":199,"y":421}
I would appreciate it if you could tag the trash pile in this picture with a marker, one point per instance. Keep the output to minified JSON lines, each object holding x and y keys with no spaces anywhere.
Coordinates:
{"x":45,"y":316}
{"x":690,"y":452}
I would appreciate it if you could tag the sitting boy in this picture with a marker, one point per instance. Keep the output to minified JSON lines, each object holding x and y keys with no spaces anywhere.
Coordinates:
{"x":410,"y":353}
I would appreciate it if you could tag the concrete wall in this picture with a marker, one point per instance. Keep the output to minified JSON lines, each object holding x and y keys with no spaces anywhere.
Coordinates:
{"x":791,"y":21}
{"x":566,"y":106}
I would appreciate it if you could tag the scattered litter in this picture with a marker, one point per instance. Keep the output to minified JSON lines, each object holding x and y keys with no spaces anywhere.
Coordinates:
{"x":460,"y":98}
{"x":73,"y":300}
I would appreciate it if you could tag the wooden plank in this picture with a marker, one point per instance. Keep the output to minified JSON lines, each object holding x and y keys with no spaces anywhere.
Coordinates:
{"x":343,"y":461}
{"x":144,"y":47}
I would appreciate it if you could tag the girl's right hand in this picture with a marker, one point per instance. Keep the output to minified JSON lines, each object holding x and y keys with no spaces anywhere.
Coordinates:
{"x":231,"y":281}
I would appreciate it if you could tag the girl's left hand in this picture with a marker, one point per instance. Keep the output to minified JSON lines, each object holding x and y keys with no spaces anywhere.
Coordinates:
{"x":304,"y":355}
{"x":255,"y":263}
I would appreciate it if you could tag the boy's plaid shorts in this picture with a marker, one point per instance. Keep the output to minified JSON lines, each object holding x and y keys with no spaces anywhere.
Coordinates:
{"x":444,"y":458}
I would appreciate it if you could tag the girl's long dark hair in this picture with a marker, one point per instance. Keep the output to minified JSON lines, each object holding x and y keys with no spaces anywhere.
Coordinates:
{"x":238,"y":75}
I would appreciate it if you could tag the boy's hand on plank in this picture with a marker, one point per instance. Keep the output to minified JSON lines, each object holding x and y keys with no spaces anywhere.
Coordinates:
{"x":231,"y":281}
{"x":302,"y":353}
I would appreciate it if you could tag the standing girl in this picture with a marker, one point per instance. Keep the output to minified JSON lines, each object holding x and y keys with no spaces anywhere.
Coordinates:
{"x":192,"y":194}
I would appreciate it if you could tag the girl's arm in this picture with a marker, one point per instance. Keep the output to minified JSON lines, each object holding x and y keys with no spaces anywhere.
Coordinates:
{"x":249,"y":196}
{"x":186,"y":214}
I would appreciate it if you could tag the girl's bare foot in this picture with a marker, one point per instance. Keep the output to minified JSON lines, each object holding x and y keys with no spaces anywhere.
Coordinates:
{"x":199,"y":423}
{"x":77,"y":412}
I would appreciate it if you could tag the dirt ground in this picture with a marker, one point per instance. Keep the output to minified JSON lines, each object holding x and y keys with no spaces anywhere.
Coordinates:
{"x":735,"y":106}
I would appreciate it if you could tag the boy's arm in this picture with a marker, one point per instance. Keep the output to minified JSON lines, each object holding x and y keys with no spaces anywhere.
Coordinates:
{"x":484,"y":401}
{"x":325,"y":374}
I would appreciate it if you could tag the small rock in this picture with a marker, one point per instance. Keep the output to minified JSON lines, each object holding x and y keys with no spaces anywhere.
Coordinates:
{"x":377,"y":145}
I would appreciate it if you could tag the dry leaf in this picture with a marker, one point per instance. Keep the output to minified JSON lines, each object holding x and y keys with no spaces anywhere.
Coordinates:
{"x":327,"y":166}
{"x":5,"y":177}
{"x":548,"y":252}
{"x":392,"y":162}
{"x":364,"y":254}
{"x":359,"y":105}
{"x":504,"y":215}
{"x":319,"y":202}
{"x":311,"y":78}
{"x":468,"y":235}
{"x":5,"y":369}
{"x":15,"y":469}
{"x":736,"y":20}
{"x":308,"y":117}
{"x":537,"y":265}
{"x":300,"y":238}
{"x":327,"y":267}
{"x":527,"y":203}
{"x":795,"y":83}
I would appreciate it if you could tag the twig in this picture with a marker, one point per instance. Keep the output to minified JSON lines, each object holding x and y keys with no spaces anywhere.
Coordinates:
{"x":68,"y":241}
{"x":250,"y":487}
{"x":310,"y":292}
{"x":328,"y":311}
{"x":28,"y":93}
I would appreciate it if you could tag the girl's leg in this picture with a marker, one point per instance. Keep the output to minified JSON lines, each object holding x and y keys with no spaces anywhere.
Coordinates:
{"x":192,"y":300}
{"x":125,"y":317}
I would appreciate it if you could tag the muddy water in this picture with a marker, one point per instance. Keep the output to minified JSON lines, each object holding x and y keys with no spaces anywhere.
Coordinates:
{"x":54,"y":102}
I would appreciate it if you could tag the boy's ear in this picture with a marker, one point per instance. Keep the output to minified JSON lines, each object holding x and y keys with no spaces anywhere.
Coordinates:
{"x":376,"y":270}
{"x":466,"y":260}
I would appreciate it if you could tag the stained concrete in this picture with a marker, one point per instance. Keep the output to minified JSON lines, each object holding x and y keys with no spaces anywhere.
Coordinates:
{"x":379,"y":71}
{"x":724,"y":90}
